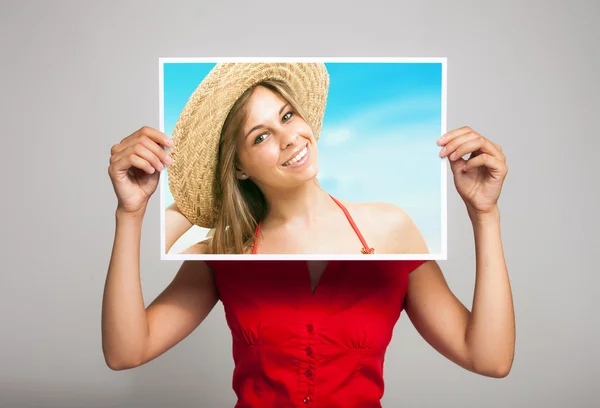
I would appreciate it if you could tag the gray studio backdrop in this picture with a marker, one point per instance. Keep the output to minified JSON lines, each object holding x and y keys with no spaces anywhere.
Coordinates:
{"x":76,"y":77}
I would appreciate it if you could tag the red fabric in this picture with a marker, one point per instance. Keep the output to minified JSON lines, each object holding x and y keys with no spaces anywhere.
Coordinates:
{"x":295,"y":349}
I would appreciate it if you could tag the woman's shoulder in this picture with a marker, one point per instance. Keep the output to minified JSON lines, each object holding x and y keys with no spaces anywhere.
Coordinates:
{"x":387,"y":223}
{"x":377,"y":211}
{"x":198,"y":248}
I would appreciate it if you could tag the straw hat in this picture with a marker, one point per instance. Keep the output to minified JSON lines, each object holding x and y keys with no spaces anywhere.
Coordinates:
{"x":192,"y":175}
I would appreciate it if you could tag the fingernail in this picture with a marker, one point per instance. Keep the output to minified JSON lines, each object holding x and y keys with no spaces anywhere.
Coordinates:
{"x":170,"y":142}
{"x":169,"y":160}
{"x":443,"y":151}
{"x":453,"y":156}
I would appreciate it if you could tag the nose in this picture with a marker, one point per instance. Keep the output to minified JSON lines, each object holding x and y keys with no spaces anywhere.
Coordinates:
{"x":288,"y":137}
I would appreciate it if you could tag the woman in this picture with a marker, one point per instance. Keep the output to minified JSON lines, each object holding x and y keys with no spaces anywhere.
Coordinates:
{"x":311,"y":333}
{"x":246,"y":164}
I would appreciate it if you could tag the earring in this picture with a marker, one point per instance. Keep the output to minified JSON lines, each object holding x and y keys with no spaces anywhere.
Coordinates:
{"x":244,"y":176}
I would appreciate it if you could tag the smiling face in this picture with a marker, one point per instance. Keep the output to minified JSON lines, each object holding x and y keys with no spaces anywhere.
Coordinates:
{"x":265,"y":137}
{"x":275,"y":146}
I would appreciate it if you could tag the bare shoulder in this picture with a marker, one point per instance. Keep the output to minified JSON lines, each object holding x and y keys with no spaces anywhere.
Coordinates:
{"x":390,"y":225}
{"x":199,"y":248}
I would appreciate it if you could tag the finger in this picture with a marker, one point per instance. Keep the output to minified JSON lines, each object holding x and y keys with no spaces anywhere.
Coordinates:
{"x":144,"y":132}
{"x":158,"y":151}
{"x":143,"y":152}
{"x":156,"y":135}
{"x":456,"y":142}
{"x":117,"y":151}
{"x":500,"y":155}
{"x":477,"y":146}
{"x":496,"y":166}
{"x":449,"y":136}
{"x":132,"y":160}
{"x":153,"y":134}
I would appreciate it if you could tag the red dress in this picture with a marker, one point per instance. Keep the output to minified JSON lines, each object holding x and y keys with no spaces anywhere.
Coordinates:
{"x":293,"y":348}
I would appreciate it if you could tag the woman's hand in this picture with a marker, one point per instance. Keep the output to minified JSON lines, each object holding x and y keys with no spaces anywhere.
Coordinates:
{"x":135,"y":166}
{"x":478,"y":179}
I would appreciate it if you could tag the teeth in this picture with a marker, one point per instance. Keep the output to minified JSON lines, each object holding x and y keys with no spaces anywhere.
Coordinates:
{"x":298,"y":157}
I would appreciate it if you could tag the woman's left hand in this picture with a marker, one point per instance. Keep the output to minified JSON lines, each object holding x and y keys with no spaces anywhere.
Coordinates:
{"x":478,"y":179}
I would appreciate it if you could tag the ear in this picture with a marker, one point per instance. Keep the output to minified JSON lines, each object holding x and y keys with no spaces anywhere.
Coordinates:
{"x":240,"y":174}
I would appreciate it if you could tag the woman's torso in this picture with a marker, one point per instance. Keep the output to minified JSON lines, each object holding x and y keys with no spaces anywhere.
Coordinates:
{"x":293,"y":347}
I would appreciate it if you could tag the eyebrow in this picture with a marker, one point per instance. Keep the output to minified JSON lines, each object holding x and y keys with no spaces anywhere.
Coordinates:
{"x":261,"y":125}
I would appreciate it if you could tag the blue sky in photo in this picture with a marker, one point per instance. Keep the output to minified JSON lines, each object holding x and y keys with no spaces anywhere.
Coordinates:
{"x":378,"y":138}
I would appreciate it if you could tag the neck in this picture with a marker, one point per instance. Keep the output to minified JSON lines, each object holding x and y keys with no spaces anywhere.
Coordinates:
{"x":299,"y":205}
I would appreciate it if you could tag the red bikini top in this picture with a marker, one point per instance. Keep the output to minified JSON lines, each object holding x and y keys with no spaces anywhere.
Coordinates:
{"x":365,"y":249}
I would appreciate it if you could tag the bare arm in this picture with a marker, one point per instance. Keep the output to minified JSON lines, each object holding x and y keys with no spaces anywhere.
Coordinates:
{"x":490,"y":335}
{"x":483,"y":340}
{"x":177,"y":226}
{"x":132,"y":334}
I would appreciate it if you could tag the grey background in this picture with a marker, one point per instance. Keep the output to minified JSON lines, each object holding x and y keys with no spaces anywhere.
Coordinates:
{"x":79,"y":76}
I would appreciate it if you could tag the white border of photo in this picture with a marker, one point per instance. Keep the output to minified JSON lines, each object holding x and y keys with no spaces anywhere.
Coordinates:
{"x":196,"y":234}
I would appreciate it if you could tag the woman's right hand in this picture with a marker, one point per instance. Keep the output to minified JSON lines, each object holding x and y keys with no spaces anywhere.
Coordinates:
{"x":135,"y":166}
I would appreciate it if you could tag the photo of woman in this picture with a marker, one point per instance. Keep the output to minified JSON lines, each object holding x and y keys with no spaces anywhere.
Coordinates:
{"x":246,"y":166}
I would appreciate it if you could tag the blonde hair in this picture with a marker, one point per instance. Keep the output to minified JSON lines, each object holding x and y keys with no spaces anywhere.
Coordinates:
{"x":242,"y":204}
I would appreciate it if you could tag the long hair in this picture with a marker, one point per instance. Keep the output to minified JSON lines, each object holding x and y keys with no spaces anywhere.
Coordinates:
{"x":242,"y":205}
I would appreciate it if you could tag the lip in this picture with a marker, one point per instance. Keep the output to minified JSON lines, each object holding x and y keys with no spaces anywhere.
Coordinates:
{"x":295,"y":154}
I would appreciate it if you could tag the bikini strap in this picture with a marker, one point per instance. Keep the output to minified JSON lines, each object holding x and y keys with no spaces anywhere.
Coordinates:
{"x":365,"y":249}
{"x":255,"y":248}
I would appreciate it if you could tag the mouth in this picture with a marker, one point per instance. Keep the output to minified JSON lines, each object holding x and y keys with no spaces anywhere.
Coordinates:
{"x":298,"y":158}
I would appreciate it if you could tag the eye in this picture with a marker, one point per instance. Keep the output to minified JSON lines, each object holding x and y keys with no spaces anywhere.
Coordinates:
{"x":287,"y":116}
{"x":260,"y":138}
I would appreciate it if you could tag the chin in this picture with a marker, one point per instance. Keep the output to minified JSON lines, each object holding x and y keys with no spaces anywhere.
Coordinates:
{"x":310,"y":175}
{"x":301,"y":178}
